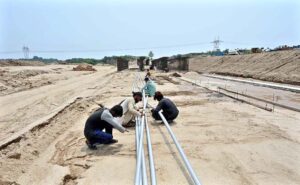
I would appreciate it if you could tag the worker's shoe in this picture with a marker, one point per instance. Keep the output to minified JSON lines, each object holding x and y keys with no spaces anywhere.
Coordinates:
{"x":91,"y":146}
{"x":111,"y":142}
{"x":170,"y":121}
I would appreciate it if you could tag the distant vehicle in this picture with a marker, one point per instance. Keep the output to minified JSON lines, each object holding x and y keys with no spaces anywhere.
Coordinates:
{"x":233,"y":52}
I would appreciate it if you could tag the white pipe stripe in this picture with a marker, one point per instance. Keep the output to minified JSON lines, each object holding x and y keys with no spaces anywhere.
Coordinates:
{"x":137,"y":141}
{"x":141,"y":174}
{"x":181,"y":152}
{"x":151,"y":161}
{"x":145,"y":180}
{"x":139,"y":159}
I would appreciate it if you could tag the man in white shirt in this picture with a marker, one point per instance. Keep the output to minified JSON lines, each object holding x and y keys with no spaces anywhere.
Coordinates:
{"x":130,"y":110}
{"x":102,"y":119}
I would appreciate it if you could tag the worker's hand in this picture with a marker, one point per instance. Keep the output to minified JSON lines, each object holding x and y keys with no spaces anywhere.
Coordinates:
{"x":141,"y":111}
{"x":149,"y":106}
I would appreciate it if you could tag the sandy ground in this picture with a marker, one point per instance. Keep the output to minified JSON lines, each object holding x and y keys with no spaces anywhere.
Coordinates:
{"x":227,"y":142}
{"x":31,"y":106}
{"x":19,"y":78}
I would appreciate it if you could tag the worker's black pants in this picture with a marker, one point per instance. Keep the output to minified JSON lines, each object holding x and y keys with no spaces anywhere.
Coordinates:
{"x":169,"y":117}
{"x":99,"y":136}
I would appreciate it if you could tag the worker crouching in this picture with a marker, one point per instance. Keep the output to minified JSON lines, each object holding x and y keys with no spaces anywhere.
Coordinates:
{"x":150,"y":87}
{"x":103,"y":119}
{"x":169,"y":109}
{"x":130,"y":109}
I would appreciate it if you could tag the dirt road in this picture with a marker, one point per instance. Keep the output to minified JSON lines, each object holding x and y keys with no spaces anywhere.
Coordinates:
{"x":227,"y":142}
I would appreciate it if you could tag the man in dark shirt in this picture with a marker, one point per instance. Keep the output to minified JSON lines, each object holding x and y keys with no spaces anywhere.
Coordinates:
{"x":102,"y":119}
{"x":169,"y":109}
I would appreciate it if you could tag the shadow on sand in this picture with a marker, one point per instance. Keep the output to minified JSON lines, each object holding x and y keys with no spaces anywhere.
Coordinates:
{"x":103,"y":150}
{"x":174,"y":154}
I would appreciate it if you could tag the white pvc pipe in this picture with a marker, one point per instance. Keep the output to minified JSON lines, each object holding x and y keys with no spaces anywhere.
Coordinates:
{"x":145,"y":180}
{"x":136,"y":134}
{"x":134,"y":83}
{"x":180,"y":150}
{"x":137,"y":130}
{"x":139,"y":157}
{"x":143,"y":163}
{"x":140,"y":166}
{"x":142,"y":174}
{"x":151,"y":161}
{"x":141,"y":81}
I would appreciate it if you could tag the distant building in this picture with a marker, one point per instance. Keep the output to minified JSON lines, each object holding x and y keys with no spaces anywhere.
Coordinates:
{"x":256,"y":50}
{"x":178,"y":63}
{"x":122,"y":64}
{"x":172,"y":63}
{"x":160,"y":63}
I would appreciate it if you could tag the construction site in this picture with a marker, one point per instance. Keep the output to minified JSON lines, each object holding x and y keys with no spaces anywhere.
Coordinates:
{"x":149,"y":92}
{"x":238,"y":122}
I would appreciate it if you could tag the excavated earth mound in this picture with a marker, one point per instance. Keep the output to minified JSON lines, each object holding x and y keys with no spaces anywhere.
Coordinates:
{"x":84,"y":67}
{"x":279,"y":66}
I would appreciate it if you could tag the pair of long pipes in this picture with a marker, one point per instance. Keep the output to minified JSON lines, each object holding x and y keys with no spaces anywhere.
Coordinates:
{"x":180,"y":150}
{"x":141,"y":175}
{"x":141,"y":123}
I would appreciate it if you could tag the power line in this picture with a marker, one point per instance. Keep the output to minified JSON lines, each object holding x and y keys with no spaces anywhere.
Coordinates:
{"x":216,"y":43}
{"x":107,"y":50}
{"x":9,"y":52}
{"x":26,"y":52}
{"x":239,"y":43}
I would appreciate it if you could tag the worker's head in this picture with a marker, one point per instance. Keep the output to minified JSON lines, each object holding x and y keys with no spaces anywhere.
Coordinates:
{"x":116,"y":111}
{"x":146,"y":79}
{"x":158,"y":96}
{"x":148,"y":70}
{"x":137,"y":96}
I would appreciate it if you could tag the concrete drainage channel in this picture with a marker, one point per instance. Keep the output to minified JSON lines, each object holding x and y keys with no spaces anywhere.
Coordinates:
{"x":141,"y":124}
{"x":257,"y":83}
{"x":238,"y":96}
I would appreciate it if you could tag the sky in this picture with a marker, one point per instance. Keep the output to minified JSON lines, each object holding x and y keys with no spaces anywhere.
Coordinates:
{"x":96,"y":28}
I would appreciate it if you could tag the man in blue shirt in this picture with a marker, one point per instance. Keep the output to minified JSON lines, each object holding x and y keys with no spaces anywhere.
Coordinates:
{"x":150,"y":87}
